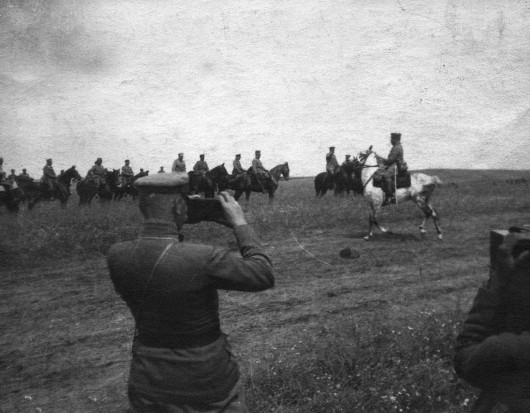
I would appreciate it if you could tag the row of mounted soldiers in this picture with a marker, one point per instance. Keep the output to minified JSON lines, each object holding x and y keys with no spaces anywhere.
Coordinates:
{"x":97,"y":172}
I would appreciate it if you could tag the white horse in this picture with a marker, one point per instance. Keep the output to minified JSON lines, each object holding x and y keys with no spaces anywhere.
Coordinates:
{"x":420,"y":191}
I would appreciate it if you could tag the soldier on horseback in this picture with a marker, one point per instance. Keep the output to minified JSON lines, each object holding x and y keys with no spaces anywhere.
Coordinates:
{"x":201,"y":167}
{"x":12,"y":176}
{"x":393,"y":165}
{"x":127,"y":174}
{"x":259,"y":171}
{"x":96,"y":174}
{"x":178,"y":164}
{"x":49,"y":178}
{"x":332,"y":166}
{"x":237,"y":168}
{"x":6,"y":183}
{"x":24,"y":176}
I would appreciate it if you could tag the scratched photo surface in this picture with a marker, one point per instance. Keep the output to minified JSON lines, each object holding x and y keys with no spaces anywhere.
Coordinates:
{"x":146,"y":80}
{"x":351,"y":326}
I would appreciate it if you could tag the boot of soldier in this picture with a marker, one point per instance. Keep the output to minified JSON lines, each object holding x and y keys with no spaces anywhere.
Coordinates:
{"x":389,"y":195}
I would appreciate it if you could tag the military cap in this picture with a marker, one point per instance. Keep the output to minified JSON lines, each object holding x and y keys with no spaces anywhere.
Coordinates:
{"x":171,"y":183}
{"x":258,"y":151}
{"x":181,"y":154}
{"x":396,"y":136}
{"x":348,"y":156}
{"x":99,"y":160}
{"x":201,"y":155}
{"x":126,"y":160}
{"x":238,"y":154}
{"x":331,"y":147}
{"x":49,"y":160}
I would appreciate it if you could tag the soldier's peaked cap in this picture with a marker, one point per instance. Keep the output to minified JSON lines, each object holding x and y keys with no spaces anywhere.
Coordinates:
{"x":331,"y":147}
{"x":171,"y":183}
{"x":49,"y":160}
{"x":238,"y":154}
{"x":394,"y":135}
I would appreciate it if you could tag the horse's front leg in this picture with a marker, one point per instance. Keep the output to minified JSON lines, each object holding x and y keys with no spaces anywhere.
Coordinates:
{"x":436,"y":220}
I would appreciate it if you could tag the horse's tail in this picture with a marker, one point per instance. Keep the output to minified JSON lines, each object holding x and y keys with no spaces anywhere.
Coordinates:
{"x":437,"y":181}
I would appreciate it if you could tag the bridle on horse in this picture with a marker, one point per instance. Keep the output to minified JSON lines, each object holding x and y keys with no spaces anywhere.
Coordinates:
{"x":363,"y":165}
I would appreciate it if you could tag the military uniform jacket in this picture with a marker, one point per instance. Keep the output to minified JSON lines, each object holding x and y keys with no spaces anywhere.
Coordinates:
{"x":257,"y":166}
{"x":331,"y":162}
{"x":238,"y":169}
{"x":180,"y":354}
{"x":48,"y":174}
{"x":178,"y":166}
{"x":201,"y":167}
{"x":96,"y":170}
{"x":127,"y":171}
{"x":395,"y":158}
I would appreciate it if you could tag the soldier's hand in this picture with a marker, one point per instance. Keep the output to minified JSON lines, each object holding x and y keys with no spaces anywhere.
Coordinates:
{"x":233,"y":212}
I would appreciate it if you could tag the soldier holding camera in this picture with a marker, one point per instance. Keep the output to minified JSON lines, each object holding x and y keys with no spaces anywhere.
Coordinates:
{"x":493,"y":348}
{"x":181,"y":360}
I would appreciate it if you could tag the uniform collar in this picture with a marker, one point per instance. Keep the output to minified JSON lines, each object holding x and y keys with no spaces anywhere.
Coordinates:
{"x":158,"y":228}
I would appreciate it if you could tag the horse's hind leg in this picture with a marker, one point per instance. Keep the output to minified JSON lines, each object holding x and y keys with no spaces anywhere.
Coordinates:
{"x":428,"y":212}
{"x":436,"y":220}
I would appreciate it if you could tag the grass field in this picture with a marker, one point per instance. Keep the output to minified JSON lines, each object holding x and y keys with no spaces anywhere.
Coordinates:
{"x":371,"y":334}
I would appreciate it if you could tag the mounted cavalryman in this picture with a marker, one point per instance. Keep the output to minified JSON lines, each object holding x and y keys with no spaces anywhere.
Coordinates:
{"x":127,"y":173}
{"x":347,"y":161}
{"x":96,"y":174}
{"x":201,"y":167}
{"x":4,"y":182}
{"x":394,"y":165}
{"x":237,"y":168}
{"x":178,"y":164}
{"x":49,"y":178}
{"x":259,"y":170}
{"x":332,"y":165}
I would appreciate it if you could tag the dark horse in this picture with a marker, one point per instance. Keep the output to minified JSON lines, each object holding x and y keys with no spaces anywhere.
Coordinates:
{"x":348,"y":178}
{"x":88,"y":189}
{"x":11,"y":198}
{"x":213,"y":181}
{"x":122,"y":190}
{"x":248,"y":183}
{"x":38,"y":191}
{"x":219,"y":176}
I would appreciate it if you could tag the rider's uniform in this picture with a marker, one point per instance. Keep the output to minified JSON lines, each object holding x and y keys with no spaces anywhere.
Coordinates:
{"x":178,"y":166}
{"x":394,"y":160}
{"x":200,"y":168}
{"x":332,"y":165}
{"x":96,"y":173}
{"x":127,"y":174}
{"x":238,"y":169}
{"x":48,"y":176}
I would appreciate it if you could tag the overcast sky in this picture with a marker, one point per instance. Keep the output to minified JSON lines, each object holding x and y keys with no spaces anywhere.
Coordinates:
{"x":147,"y":79}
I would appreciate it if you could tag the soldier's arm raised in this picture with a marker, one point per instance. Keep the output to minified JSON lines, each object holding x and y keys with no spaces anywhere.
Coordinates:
{"x":252,"y":271}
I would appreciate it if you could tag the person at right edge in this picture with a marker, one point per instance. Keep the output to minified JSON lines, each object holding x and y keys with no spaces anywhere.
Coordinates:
{"x":493,"y":347}
{"x":181,"y":360}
